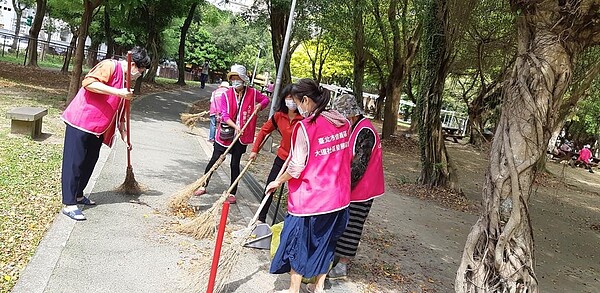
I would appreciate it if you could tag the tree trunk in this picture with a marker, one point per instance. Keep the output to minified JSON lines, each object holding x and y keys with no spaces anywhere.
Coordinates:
{"x":34,"y":33}
{"x":402,"y":58}
{"x":379,"y":103}
{"x":499,"y":253}
{"x":19,"y":14}
{"x":182,"y":37}
{"x":435,"y":164}
{"x":86,"y":19}
{"x":358,"y":71}
{"x":69,"y":53}
{"x":110,"y":43}
{"x":278,"y":15}
{"x":92,"y":56}
{"x":154,"y":47}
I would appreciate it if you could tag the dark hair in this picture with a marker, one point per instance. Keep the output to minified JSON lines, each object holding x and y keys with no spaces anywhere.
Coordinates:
{"x":140,"y":57}
{"x":281,"y":107}
{"x":310,"y":88}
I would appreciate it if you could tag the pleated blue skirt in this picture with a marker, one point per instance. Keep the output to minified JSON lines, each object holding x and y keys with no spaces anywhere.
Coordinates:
{"x":307,"y":244}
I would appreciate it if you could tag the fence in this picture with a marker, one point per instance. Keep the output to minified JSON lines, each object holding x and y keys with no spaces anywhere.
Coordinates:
{"x":48,"y":51}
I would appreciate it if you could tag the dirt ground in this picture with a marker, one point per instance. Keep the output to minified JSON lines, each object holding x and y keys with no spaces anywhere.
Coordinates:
{"x":414,"y":237}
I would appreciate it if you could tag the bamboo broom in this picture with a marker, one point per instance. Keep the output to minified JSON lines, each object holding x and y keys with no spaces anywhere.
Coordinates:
{"x":231,"y":256}
{"x":130,"y":186}
{"x":203,"y":226}
{"x":178,"y":202}
{"x":190,"y":120}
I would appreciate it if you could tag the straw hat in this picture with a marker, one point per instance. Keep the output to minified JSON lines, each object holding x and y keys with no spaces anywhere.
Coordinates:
{"x":238,"y":70}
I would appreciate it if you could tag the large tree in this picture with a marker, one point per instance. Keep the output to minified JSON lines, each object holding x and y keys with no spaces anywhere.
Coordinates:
{"x":88,"y":10}
{"x":358,"y":46}
{"x":435,"y":163}
{"x":184,"y":29}
{"x":34,"y":32}
{"x":499,"y":252}
{"x":19,"y":6}
{"x":400,"y":43}
{"x":444,"y":22}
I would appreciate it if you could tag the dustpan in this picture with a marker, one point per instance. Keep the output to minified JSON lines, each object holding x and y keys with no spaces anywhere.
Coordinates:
{"x":260,"y":237}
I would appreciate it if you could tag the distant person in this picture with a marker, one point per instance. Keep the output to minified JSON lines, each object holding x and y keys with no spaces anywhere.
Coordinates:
{"x":585,"y":156}
{"x":270,"y":88}
{"x":564,"y":149}
{"x":92,"y":118}
{"x":237,"y":105}
{"x":215,"y":109}
{"x":204,"y":74}
{"x":365,"y":146}
{"x":318,"y":173}
{"x":284,"y":120}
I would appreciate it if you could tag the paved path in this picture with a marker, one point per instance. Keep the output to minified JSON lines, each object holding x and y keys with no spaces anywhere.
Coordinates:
{"x":130,"y":246}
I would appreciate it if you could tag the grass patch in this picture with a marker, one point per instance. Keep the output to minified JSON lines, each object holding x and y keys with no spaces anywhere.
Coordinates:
{"x":29,"y":190}
{"x":29,"y":179}
{"x":49,"y":61}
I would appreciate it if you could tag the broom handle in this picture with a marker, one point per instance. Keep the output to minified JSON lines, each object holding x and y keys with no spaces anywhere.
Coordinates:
{"x":278,"y":203}
{"x":237,"y":136}
{"x":263,"y":203}
{"x":128,"y":109}
{"x":237,"y":180}
{"x":218,"y":245}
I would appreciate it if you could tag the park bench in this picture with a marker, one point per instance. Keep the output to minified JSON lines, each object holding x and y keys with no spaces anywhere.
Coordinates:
{"x":26,"y":120}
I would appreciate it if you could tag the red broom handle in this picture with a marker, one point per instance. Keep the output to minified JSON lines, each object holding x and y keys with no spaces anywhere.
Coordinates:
{"x":218,"y":245}
{"x":128,"y":109}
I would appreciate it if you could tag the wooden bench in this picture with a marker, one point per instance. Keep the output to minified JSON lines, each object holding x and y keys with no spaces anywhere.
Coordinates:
{"x":26,"y":120}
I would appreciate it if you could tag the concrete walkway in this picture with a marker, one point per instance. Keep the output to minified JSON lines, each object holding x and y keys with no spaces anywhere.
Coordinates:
{"x":128,"y":244}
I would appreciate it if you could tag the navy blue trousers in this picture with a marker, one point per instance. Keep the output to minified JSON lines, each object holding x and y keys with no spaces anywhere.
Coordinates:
{"x":80,"y":154}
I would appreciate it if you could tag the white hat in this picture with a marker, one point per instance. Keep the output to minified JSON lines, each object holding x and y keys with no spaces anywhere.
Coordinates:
{"x":587,"y":146}
{"x":224,"y":84}
{"x":238,"y":70}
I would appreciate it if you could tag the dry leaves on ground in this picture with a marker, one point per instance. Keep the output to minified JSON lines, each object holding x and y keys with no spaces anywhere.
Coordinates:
{"x":445,"y":197}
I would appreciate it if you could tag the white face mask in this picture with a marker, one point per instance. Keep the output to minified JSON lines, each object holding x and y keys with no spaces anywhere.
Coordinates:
{"x":291,"y":105}
{"x":302,"y":112}
{"x":237,"y":84}
{"x":135,"y":75}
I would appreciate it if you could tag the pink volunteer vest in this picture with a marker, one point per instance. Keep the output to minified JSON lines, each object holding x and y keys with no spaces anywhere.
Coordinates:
{"x":248,"y":102}
{"x":372,"y":184}
{"x":97,"y":113}
{"x":215,"y":106}
{"x":324,"y":185}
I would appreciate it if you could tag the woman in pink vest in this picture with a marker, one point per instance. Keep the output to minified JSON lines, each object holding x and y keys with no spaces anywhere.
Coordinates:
{"x":318,"y":176}
{"x":92,"y":119}
{"x":237,"y":105}
{"x":366,"y":159}
{"x":215,"y":109}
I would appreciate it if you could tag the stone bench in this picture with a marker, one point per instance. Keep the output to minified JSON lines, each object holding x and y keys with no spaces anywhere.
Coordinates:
{"x":26,"y":120}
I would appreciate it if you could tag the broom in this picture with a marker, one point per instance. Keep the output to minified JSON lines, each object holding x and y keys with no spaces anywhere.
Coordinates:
{"x":130,"y":186}
{"x":190,"y":120}
{"x":203,"y":225}
{"x":178,"y":202}
{"x":231,"y":257}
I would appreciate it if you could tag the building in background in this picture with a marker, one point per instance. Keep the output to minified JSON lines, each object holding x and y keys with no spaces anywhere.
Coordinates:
{"x":60,"y":34}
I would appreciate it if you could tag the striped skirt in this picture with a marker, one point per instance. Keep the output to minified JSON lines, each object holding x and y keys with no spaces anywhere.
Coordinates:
{"x":348,"y":242}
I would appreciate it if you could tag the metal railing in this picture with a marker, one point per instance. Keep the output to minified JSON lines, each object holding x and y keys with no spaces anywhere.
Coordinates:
{"x":50,"y":51}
